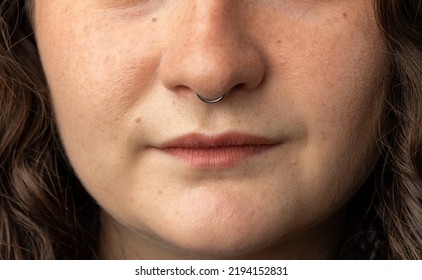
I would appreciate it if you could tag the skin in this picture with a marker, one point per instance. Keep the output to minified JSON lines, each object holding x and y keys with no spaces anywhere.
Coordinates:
{"x":123,"y":76}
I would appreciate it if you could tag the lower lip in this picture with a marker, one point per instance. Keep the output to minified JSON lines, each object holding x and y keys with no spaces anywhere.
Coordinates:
{"x":215,"y":157}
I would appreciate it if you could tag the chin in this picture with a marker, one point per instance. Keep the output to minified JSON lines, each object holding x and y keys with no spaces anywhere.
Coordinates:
{"x":219,"y":240}
{"x":211,"y":224}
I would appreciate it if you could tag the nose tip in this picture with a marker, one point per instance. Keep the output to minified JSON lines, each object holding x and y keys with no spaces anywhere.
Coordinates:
{"x":213,"y":72}
{"x":211,"y":62}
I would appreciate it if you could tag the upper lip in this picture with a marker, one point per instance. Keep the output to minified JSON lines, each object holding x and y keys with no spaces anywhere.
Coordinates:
{"x":202,"y":141}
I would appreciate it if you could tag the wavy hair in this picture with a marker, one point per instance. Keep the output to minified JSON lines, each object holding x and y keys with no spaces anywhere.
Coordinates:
{"x":400,"y":188}
{"x":45,"y":213}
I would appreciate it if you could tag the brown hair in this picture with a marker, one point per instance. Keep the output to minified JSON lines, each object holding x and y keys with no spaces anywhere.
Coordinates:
{"x":400,"y":191}
{"x":45,"y":213}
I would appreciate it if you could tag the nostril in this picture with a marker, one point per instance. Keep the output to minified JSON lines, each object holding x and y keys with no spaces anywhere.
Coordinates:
{"x":239,"y":87}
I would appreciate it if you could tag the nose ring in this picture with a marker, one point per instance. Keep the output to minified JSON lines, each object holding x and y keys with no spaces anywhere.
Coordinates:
{"x":210,"y":101}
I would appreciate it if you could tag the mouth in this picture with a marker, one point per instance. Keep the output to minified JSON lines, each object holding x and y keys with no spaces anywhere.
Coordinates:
{"x":224,"y":150}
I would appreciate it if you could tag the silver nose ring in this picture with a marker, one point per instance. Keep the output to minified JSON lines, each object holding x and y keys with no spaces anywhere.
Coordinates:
{"x":210,"y":101}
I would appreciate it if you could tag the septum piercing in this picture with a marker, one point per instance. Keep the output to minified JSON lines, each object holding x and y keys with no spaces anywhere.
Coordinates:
{"x":210,"y":101}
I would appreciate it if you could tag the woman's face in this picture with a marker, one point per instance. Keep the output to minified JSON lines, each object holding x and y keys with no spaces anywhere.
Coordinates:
{"x":280,"y":155}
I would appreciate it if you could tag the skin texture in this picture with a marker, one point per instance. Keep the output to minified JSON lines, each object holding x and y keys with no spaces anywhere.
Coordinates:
{"x":306,"y":74}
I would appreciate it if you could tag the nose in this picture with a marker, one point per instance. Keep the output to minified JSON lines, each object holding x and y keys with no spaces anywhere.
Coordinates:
{"x":210,"y":53}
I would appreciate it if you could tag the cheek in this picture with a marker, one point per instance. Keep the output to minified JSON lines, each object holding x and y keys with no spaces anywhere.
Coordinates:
{"x":96,"y":77}
{"x":334,"y":82}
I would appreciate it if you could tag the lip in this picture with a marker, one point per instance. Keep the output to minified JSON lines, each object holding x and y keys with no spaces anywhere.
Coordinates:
{"x":216,"y":151}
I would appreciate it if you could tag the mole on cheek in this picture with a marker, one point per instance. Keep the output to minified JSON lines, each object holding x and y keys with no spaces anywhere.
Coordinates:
{"x":154,"y":19}
{"x":138,"y":120}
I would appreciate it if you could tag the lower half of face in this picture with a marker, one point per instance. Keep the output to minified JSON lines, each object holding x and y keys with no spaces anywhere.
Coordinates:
{"x":285,"y":150}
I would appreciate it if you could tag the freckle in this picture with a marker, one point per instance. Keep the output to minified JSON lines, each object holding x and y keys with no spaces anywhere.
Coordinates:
{"x":159,"y":193}
{"x":154,"y":19}
{"x":344,"y":15}
{"x":138,"y":120}
{"x":279,"y":42}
